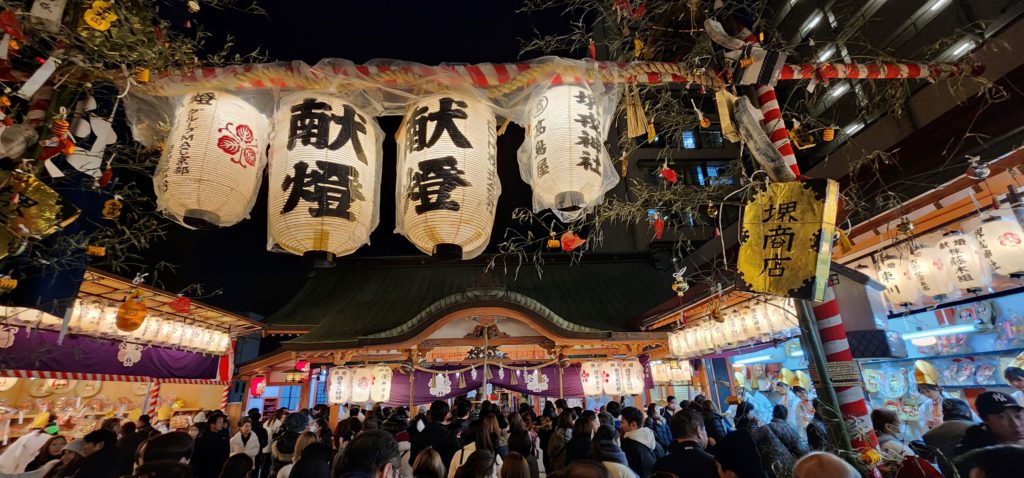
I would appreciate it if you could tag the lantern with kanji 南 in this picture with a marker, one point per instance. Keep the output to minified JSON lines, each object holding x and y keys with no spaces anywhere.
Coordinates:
{"x":212,"y":163}
{"x":380,"y":389}
{"x":963,"y":258}
{"x":362,"y":380}
{"x":1001,"y":240}
{"x":934,"y":277}
{"x":632,"y":376}
{"x":590,"y":376}
{"x":900,"y":285}
{"x":339,"y":389}
{"x":325,"y":166}
{"x":611,"y":378}
{"x":563,"y":157}
{"x":448,"y":184}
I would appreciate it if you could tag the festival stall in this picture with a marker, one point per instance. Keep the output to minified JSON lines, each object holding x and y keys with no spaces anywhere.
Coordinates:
{"x":164,"y":355}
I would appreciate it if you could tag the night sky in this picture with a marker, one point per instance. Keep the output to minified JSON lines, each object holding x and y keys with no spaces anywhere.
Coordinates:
{"x":234,"y":260}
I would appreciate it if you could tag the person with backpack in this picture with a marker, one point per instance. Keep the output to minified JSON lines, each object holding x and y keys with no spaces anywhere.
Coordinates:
{"x":658,"y":425}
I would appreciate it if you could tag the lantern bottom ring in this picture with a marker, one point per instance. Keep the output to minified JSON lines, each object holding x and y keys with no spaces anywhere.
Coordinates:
{"x":320,"y":259}
{"x":569,"y":201}
{"x":447,"y":252}
{"x":201,"y":218}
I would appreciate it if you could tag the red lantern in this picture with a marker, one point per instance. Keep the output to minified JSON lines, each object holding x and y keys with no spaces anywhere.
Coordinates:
{"x":181,"y":305}
{"x":302,"y":365}
{"x":257,"y":386}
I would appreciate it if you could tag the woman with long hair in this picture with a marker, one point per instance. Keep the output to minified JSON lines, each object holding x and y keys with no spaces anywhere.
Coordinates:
{"x":305,"y":439}
{"x":482,"y":436}
{"x":238,"y":465}
{"x":274,"y":423}
{"x":515,"y":466}
{"x":51,"y":450}
{"x":558,"y":443}
{"x":481,"y":464}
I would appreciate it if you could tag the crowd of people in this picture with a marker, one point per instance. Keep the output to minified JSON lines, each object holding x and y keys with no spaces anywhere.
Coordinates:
{"x":688,"y":439}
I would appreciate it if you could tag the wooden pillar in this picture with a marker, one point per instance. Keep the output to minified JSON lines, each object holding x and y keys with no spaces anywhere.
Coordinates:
{"x":412,"y":386}
{"x":333,"y":412}
{"x":647,"y":396}
{"x":304,"y":394}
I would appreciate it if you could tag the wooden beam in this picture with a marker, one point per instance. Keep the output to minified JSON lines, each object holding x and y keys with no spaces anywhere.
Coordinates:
{"x":476,"y":342}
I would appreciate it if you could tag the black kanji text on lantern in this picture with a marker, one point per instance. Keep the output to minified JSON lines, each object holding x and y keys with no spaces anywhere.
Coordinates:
{"x":433,"y":184}
{"x":311,"y":126}
{"x":331,"y":187}
{"x":444,"y":121}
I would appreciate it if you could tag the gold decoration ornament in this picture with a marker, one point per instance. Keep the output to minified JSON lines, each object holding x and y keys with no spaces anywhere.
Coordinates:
{"x":112,"y":208}
{"x":925,"y":373}
{"x":132,"y":312}
{"x":29,"y":210}
{"x":100,"y":15}
{"x":786,"y":240}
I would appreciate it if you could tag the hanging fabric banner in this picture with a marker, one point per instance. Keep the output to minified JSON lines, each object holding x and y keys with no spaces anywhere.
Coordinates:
{"x":786,"y":242}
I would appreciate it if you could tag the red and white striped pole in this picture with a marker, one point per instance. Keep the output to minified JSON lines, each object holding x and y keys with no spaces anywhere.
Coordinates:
{"x":224,"y":397}
{"x":852,"y":406}
{"x":153,"y":399}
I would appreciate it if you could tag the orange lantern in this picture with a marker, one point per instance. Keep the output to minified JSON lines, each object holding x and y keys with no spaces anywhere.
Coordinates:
{"x":131,"y":314}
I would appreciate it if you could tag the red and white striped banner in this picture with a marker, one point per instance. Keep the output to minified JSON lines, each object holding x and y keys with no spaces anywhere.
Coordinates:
{"x":106,"y":377}
{"x":837,"y":349}
{"x":224,"y":397}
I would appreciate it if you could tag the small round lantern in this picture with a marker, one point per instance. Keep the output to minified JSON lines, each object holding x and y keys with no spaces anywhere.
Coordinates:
{"x":932,"y":273}
{"x":1002,"y":243}
{"x":900,"y":286}
{"x":964,"y":261}
{"x":131,"y":314}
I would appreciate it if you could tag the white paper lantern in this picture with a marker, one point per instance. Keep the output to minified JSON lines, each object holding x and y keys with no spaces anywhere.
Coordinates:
{"x":151,"y":329}
{"x":567,"y":165}
{"x":679,"y":371}
{"x":934,"y":277}
{"x":448,"y":183}
{"x":1001,"y":240}
{"x":900,"y":285}
{"x":324,"y":176}
{"x":632,"y":376}
{"x":213,"y":161}
{"x":87,"y":317}
{"x":660,"y":373}
{"x":964,"y":261}
{"x":224,"y":344}
{"x":611,"y":378}
{"x":177,"y":335}
{"x":590,"y":377}
{"x":380,"y":390}
{"x":362,"y":380}
{"x":340,"y":388}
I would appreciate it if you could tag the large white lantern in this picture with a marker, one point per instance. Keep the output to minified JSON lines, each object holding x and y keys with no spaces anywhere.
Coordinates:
{"x":590,"y":377}
{"x":900,"y":285}
{"x":210,"y":170}
{"x":632,"y":376}
{"x":325,"y":162}
{"x":448,"y":183}
{"x":362,"y":380}
{"x":660,"y":373}
{"x":1002,"y":240}
{"x":611,"y":378}
{"x":964,"y":261}
{"x":380,"y":390}
{"x":934,"y":278}
{"x":563,"y":157}
{"x":339,"y":389}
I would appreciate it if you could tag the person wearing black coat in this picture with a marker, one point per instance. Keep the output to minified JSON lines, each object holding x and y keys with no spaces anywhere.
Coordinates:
{"x":101,"y":454}
{"x":686,"y":455}
{"x":211,"y":448}
{"x":638,"y":443}
{"x":437,"y":435}
{"x":129,"y":444}
{"x":716,"y":424}
{"x":581,"y":445}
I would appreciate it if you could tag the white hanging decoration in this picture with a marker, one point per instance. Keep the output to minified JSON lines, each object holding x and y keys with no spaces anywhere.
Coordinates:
{"x":632,"y":376}
{"x":380,"y":391}
{"x":211,"y":167}
{"x":362,"y":379}
{"x":7,"y":334}
{"x":537,"y":381}
{"x":440,"y":385}
{"x":129,"y":354}
{"x":611,"y":378}
{"x":563,"y":157}
{"x":934,"y":277}
{"x":87,"y":127}
{"x":963,"y":258}
{"x":590,"y":376}
{"x":448,"y":183}
{"x":325,"y":167}
{"x":339,"y":389}
{"x":1002,"y":240}
{"x":900,"y":285}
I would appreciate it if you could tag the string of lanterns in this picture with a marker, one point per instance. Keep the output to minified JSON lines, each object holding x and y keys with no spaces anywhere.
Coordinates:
{"x":97,"y":318}
{"x":955,"y":263}
{"x":671,"y":372}
{"x":612,"y":377}
{"x":756,"y":321}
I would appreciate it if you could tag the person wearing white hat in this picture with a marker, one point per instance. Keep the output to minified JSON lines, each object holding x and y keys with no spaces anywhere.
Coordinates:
{"x":17,"y":456}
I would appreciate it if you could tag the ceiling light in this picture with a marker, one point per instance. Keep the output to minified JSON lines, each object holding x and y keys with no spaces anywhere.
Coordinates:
{"x":937,"y":5}
{"x":924,"y":341}
{"x":811,"y":23}
{"x":852,"y":128}
{"x":956,"y":329}
{"x":825,"y":55}
{"x":840,"y":90}
{"x":754,"y":359}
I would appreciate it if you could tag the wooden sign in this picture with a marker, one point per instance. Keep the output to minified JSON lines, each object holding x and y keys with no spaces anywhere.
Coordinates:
{"x":786,"y":242}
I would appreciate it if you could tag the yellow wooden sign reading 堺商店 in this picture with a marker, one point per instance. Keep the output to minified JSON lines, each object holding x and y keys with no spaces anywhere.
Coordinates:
{"x":786,"y":242}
